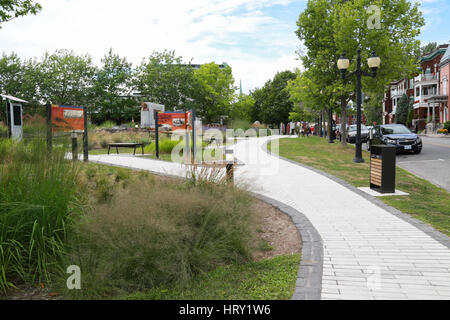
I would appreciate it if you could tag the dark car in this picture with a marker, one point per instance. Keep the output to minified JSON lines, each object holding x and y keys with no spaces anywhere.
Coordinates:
{"x":395,"y":135}
{"x":351,"y":134}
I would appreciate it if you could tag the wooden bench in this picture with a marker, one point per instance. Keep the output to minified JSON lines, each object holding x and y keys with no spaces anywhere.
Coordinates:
{"x":125,"y":145}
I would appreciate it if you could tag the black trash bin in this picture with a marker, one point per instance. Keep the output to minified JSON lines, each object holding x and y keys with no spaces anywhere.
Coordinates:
{"x":382,"y":168}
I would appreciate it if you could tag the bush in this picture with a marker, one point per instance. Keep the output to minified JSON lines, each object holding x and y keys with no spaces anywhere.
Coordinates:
{"x":159,"y":232}
{"x":165,"y":146}
{"x":447,"y":126}
{"x":443,"y":131}
{"x":38,"y":199}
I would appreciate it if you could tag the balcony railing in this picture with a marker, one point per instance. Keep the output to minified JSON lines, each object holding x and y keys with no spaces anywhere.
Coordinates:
{"x":428,"y":77}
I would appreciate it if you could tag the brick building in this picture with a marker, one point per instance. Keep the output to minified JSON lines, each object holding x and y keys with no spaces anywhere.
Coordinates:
{"x":424,"y":88}
{"x":444,"y":65}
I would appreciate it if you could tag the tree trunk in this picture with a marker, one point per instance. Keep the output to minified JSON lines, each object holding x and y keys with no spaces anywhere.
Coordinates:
{"x":324,"y":120}
{"x":343,"y":130}
{"x":330,"y":124}
{"x":319,"y":125}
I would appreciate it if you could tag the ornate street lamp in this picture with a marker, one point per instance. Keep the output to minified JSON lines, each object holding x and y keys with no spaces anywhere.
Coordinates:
{"x":343,"y":64}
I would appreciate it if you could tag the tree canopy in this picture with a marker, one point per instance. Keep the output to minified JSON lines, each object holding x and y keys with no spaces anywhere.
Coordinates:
{"x":11,"y":9}
{"x":214,"y":92}
{"x":272,"y":103}
{"x":330,"y":27}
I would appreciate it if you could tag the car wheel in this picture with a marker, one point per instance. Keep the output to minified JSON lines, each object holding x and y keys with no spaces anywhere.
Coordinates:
{"x":418,"y":151}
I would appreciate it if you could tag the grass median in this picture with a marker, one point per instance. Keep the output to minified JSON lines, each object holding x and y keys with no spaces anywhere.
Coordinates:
{"x":425,"y":201}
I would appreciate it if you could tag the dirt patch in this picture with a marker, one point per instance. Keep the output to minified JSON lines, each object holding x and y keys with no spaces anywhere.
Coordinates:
{"x":276,"y":233}
{"x":26,"y":292}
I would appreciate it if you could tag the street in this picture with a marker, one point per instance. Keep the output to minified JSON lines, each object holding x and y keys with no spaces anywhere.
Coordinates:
{"x":432,"y":164}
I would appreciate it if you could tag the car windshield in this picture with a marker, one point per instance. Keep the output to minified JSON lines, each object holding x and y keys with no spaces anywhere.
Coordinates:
{"x":397,"y":129}
{"x":353,"y":127}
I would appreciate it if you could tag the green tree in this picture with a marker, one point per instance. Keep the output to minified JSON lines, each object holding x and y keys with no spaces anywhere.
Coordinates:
{"x":164,"y":79}
{"x":214,"y":92}
{"x":373,"y":108}
{"x":18,"y":78}
{"x":305,"y":96}
{"x":401,"y":113}
{"x":66,"y":78}
{"x":11,"y":9}
{"x":112,"y":88}
{"x":329,"y":28}
{"x":273,"y":100}
{"x":428,"y":48}
{"x":11,"y":74}
{"x":242,"y":108}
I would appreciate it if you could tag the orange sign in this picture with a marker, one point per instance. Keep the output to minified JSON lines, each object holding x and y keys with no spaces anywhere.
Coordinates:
{"x":172,"y":121}
{"x":67,"y":118}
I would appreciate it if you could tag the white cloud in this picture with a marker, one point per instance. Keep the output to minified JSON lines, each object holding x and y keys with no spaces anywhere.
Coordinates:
{"x":135,"y":28}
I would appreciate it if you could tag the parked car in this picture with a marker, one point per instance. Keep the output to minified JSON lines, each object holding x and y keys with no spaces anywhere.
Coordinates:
{"x":351,"y":134}
{"x":396,"y":135}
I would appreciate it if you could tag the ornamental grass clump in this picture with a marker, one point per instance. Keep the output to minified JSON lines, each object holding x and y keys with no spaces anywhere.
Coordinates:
{"x":38,"y":198}
{"x":159,"y":231}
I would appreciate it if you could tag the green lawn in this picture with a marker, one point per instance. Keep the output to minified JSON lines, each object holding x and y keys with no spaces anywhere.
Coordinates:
{"x":271,"y":279}
{"x":426,"y":201}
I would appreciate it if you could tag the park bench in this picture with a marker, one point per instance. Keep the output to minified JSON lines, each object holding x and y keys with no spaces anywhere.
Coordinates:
{"x":125,"y":145}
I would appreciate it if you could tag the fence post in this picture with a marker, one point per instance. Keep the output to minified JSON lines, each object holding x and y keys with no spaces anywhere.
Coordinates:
{"x":230,"y":172}
{"x":85,"y":136}
{"x":156,"y":135}
{"x":48,"y":106}
{"x":74,"y":146}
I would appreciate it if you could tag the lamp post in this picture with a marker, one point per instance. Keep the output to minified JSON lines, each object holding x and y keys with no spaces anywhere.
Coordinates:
{"x":343,"y":64}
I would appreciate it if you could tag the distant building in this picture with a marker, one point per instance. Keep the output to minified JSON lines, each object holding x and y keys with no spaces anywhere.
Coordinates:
{"x":424,"y":90}
{"x":444,"y":65}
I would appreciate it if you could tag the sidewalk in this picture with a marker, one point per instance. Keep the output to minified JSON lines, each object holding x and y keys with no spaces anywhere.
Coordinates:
{"x":434,"y":135}
{"x":369,"y":253}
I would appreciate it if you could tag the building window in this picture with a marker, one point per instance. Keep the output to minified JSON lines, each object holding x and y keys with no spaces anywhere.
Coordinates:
{"x":417,"y":92}
{"x":444,"y":86}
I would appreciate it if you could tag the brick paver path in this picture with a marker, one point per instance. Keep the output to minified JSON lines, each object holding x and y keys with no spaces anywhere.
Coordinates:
{"x":369,"y":253}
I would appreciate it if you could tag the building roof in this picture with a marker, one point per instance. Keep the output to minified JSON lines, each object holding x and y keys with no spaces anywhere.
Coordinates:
{"x":446,"y":57}
{"x":433,"y":54}
{"x":7,"y":97}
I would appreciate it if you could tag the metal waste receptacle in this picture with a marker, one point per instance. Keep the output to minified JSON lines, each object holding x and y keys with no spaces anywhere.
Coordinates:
{"x":382,"y":168}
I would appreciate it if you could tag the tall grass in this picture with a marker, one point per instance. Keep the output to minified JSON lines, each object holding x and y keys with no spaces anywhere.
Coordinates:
{"x":38,"y":196}
{"x":165,"y":146}
{"x":156,"y":232}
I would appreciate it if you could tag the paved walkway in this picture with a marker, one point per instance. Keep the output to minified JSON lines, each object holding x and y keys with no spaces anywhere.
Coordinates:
{"x":369,"y":253}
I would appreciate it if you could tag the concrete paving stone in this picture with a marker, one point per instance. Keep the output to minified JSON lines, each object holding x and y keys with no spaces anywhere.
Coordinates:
{"x":425,"y":297}
{"x":329,"y":291}
{"x":340,"y":278}
{"x":436,"y":272}
{"x":350,"y":274}
{"x":344,"y":266}
{"x":331,"y":296}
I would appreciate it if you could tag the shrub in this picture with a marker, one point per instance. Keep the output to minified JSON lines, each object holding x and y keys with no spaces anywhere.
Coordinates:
{"x":447,"y":126}
{"x":443,"y":131}
{"x":165,"y":146}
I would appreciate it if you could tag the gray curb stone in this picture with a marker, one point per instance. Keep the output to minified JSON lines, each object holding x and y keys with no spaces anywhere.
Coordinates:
{"x":427,"y":229}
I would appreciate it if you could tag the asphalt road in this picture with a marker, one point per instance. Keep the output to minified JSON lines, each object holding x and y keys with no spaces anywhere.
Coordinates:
{"x":432,"y":164}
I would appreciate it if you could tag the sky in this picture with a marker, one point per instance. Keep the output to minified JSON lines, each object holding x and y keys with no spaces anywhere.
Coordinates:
{"x":255,"y":37}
